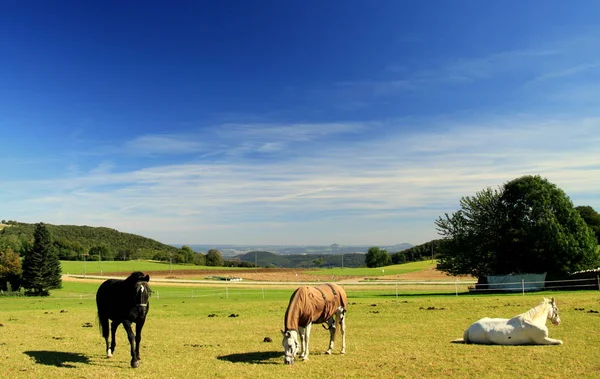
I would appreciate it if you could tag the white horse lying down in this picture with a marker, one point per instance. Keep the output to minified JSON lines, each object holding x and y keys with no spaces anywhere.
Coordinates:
{"x":528,"y":328}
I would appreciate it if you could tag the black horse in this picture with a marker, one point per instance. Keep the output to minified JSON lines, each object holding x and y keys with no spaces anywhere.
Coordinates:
{"x":124,"y":301}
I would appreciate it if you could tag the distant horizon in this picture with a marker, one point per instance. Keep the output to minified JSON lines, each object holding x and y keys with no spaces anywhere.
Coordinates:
{"x":294,"y":245}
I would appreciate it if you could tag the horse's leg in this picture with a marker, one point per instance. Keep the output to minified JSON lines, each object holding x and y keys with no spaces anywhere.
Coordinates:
{"x":138,"y":338}
{"x":342,"y":322}
{"x":552,"y":341}
{"x":307,"y":340}
{"x":331,"y":323}
{"x":113,"y":343}
{"x":105,"y":332}
{"x":302,"y":336}
{"x":540,"y":336}
{"x":131,"y":337}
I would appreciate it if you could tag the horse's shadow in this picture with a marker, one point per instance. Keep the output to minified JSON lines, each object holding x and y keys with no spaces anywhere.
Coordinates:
{"x":255,"y":357}
{"x":57,"y":358}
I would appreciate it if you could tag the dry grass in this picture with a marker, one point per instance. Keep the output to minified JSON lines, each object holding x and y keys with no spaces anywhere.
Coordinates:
{"x":408,"y":336}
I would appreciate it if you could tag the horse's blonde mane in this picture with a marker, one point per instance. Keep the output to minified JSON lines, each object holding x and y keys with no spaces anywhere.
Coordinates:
{"x":537,"y":311}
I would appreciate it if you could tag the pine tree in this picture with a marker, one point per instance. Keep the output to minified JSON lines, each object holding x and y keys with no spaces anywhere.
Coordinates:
{"x":41,"y":267}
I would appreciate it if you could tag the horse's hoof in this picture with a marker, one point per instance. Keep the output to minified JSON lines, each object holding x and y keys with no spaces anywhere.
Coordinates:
{"x":328,"y":352}
{"x":304,"y":359}
{"x":135,"y":364}
{"x":343,"y":352}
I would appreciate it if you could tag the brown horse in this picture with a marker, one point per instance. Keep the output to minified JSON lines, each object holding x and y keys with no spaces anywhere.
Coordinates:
{"x":313,"y":305}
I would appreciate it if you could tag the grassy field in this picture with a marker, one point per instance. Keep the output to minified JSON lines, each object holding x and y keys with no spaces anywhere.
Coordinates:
{"x":402,"y":337}
{"x":379,"y":271}
{"x":95,"y":267}
{"x":98,"y":267}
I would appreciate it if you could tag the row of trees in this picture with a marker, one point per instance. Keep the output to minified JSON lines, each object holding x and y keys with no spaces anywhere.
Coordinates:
{"x":528,"y":225}
{"x":72,"y":242}
{"x":377,"y":257}
{"x":40,"y":270}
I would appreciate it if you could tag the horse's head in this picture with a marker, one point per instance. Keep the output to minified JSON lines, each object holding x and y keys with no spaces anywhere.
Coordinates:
{"x":290,"y":345}
{"x":142,"y":294}
{"x":138,"y":276}
{"x":553,"y":315}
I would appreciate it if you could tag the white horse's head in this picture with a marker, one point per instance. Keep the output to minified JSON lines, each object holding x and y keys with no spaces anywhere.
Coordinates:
{"x":290,"y":345}
{"x":553,"y":315}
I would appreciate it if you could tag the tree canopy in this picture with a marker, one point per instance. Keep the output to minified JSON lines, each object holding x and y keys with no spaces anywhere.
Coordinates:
{"x":72,"y":241}
{"x":41,"y":267}
{"x":10,"y":270}
{"x":471,"y":235}
{"x":591,"y":218}
{"x":529,"y":225}
{"x":214,"y":258}
{"x":377,"y":257}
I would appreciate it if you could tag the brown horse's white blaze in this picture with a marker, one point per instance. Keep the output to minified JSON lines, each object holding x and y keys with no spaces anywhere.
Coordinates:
{"x":326,"y":303}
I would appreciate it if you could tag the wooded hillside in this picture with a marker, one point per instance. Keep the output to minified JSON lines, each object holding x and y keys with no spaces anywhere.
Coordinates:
{"x":72,"y":241}
{"x":268,"y":259}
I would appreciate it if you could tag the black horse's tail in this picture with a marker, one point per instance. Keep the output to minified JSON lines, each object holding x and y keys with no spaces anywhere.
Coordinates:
{"x":103,"y":324}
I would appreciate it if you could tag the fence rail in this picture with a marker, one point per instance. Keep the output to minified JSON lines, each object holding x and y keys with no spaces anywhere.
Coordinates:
{"x":258,"y":290}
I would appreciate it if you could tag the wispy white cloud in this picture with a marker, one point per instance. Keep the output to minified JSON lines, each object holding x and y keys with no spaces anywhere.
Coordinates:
{"x":353,"y":188}
{"x":529,"y":65}
{"x":566,"y":72}
{"x":162,"y":144}
{"x":401,"y":80}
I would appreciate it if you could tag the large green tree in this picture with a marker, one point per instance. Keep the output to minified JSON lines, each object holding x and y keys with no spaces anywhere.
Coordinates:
{"x":214,"y":258}
{"x":199,"y":259}
{"x":41,"y":267}
{"x":10,"y":270}
{"x":472,"y":235}
{"x":377,"y":257}
{"x":591,"y":218}
{"x":529,"y":225}
{"x":542,"y":231}
{"x":187,"y":253}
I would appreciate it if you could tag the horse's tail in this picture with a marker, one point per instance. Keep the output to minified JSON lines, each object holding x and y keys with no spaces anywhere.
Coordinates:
{"x":466,"y":336}
{"x":103,"y":324}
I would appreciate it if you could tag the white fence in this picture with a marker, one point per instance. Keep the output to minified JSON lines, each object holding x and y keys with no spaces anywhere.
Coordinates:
{"x":258,"y":290}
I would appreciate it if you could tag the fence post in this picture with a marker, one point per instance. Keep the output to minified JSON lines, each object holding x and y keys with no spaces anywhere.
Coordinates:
{"x":598,"y":279}
{"x":227,"y":292}
{"x":192,"y":294}
{"x":263,"y":292}
{"x":456,"y":287}
{"x":396,"y":290}
{"x":523,"y":286}
{"x":157,"y":295}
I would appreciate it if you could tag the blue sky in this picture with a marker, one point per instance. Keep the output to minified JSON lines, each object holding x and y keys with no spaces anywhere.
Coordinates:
{"x":290,"y":122}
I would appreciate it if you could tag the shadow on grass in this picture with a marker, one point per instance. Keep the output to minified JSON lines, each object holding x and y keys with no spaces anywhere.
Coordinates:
{"x":256,"y":357}
{"x":57,"y":358}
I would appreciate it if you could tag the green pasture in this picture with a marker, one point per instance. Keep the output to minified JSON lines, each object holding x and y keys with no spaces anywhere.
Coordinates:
{"x":376,"y":271}
{"x":407,"y":336}
{"x":102,"y":267}
{"x":98,"y":267}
